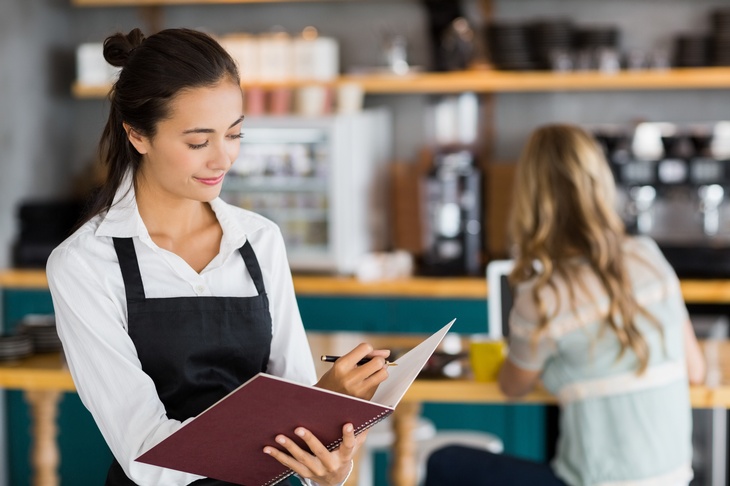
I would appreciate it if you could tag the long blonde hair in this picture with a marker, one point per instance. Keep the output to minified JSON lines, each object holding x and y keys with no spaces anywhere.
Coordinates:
{"x":564,"y":207}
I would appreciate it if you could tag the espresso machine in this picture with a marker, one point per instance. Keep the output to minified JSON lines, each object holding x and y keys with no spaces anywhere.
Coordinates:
{"x":453,"y":229}
{"x":673,"y":185}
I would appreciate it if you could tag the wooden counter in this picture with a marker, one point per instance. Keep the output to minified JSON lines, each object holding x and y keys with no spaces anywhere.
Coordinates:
{"x":695,"y":291}
{"x":23,"y":279}
{"x":46,"y":371}
{"x":44,"y":378}
{"x":49,"y":372}
{"x":451,"y":287}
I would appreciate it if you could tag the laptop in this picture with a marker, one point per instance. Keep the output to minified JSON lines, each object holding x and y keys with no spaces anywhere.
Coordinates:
{"x":499,"y":300}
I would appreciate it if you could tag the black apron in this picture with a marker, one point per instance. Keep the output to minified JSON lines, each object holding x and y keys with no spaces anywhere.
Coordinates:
{"x":195,"y":349}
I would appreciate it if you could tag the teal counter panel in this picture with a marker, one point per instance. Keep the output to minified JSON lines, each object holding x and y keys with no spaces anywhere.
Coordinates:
{"x":400,"y":315}
{"x":85,"y":456}
{"x":19,"y":303}
{"x":521,"y":428}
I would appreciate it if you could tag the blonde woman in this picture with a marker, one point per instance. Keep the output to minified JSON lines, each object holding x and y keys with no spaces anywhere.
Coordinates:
{"x":598,"y":317}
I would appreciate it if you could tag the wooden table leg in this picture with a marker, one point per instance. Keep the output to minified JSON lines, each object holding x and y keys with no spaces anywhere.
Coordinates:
{"x":355,"y":474}
{"x":403,"y":468}
{"x":45,"y":455}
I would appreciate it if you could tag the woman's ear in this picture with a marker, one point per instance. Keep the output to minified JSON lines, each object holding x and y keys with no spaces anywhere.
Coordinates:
{"x":137,"y":140}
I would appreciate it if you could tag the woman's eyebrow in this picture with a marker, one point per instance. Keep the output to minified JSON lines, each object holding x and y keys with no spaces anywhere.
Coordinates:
{"x":210,"y":130}
{"x":239,"y":120}
{"x":198,"y":130}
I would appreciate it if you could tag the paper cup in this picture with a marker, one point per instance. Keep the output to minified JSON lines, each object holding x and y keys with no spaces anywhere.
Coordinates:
{"x":349,"y":98}
{"x":312,"y":100}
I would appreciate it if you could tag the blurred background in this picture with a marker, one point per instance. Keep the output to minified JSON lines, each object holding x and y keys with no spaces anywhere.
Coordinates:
{"x":382,"y":135}
{"x":442,"y":156}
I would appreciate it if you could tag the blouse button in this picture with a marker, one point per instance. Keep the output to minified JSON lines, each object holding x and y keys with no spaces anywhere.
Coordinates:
{"x":199,"y":289}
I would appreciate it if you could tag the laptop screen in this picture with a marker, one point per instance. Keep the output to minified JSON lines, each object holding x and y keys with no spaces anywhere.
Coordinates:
{"x":499,"y":298}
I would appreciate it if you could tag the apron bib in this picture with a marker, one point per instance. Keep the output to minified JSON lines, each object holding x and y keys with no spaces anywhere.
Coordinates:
{"x":195,"y":349}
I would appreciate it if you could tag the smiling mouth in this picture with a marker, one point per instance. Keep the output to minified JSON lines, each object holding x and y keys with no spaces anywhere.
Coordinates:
{"x":211,"y":182}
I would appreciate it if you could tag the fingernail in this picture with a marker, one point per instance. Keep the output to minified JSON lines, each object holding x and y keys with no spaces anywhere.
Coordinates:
{"x":267,"y":450}
{"x":348,"y":428}
{"x":299,"y":432}
{"x":280,"y":439}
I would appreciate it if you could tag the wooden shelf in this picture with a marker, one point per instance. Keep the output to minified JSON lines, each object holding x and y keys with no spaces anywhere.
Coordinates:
{"x":87,"y":91}
{"x":416,"y":287}
{"x":695,"y":291}
{"x":506,"y":82}
{"x":156,"y":3}
{"x":545,"y":81}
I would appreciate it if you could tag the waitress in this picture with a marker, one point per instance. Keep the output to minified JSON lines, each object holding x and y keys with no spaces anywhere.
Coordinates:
{"x":167,"y":298}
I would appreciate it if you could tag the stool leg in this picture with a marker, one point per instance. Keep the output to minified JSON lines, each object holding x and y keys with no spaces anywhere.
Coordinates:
{"x":357,"y":464}
{"x":365,"y":468}
{"x":45,"y":456}
{"x":405,"y":419}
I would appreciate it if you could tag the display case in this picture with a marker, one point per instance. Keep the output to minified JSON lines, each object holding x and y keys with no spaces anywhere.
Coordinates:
{"x":322,"y":180}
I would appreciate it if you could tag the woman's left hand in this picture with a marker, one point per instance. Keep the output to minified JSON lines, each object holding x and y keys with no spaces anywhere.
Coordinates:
{"x":321,"y":466}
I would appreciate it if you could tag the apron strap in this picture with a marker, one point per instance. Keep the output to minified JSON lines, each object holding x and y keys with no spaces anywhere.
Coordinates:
{"x":252,"y":264}
{"x":130,"y":269}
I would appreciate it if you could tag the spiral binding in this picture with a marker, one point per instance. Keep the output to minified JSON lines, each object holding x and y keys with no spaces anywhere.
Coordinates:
{"x":334,"y":444}
{"x":278,"y":478}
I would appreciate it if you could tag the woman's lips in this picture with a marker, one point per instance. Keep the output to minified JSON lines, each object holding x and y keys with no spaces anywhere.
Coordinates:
{"x":211,"y":182}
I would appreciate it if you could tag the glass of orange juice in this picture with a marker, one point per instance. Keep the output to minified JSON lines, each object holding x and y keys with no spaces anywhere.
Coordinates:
{"x":486,"y":356}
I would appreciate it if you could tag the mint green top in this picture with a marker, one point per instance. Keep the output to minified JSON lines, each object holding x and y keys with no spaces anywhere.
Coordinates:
{"x":616,"y":427}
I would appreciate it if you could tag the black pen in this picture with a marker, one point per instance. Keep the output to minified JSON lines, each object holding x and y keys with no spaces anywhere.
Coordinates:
{"x":331,"y":359}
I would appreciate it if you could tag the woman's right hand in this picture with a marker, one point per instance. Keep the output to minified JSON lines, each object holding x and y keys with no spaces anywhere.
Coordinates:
{"x":322,"y":466}
{"x":347,"y":377}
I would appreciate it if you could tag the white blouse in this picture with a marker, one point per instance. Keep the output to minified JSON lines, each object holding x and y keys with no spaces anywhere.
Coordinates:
{"x":91,"y":314}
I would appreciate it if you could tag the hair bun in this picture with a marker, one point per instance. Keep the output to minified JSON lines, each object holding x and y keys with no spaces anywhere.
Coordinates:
{"x":118,"y":47}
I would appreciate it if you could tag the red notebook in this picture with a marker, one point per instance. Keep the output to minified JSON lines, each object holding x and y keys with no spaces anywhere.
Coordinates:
{"x":226,"y":441}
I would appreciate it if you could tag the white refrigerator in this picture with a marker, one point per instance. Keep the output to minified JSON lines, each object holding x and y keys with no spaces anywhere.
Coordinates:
{"x":323,"y":180}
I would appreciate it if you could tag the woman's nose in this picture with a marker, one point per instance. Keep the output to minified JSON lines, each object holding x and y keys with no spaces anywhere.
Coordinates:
{"x":223,"y":158}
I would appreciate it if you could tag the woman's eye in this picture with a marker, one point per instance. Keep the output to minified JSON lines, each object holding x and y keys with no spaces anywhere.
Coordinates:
{"x":236,"y":136}
{"x":198,"y":146}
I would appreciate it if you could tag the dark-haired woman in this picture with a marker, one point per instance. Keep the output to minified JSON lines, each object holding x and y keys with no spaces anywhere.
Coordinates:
{"x":167,"y":298}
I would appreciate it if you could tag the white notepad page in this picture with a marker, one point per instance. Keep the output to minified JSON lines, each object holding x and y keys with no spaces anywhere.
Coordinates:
{"x":400,"y":377}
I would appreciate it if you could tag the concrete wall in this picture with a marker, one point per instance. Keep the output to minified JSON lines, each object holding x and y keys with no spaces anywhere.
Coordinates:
{"x":35,"y":111}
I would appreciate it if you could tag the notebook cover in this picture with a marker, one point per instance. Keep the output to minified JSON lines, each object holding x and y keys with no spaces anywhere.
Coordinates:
{"x":226,"y":441}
